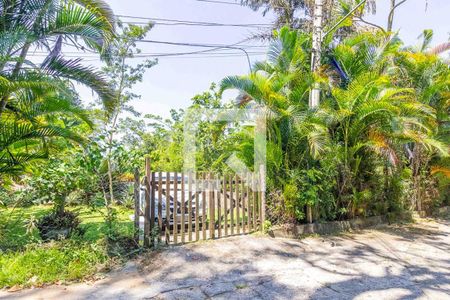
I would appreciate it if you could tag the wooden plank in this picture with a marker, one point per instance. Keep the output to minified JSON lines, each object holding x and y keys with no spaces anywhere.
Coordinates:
{"x":175,"y":208}
{"x":197,"y":208}
{"x":254,"y":203}
{"x":183,"y":206}
{"x":238,"y":201}
{"x":249,"y":182}
{"x":147,"y":213}
{"x":263,"y":195}
{"x":211,"y":208}
{"x":137,"y":208}
{"x":204,"y":215}
{"x":152,"y":208}
{"x":243,"y":196}
{"x":219,"y":206}
{"x":231,"y":206}
{"x":225,"y":206}
{"x":160,"y":221}
{"x":167,"y":208}
{"x":190,"y":206}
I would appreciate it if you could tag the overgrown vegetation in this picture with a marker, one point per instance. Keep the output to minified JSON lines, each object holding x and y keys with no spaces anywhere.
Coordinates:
{"x":378,"y":142}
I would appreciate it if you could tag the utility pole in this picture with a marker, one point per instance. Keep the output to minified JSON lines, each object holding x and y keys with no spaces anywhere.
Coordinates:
{"x":314,"y":96}
{"x":317,"y":35}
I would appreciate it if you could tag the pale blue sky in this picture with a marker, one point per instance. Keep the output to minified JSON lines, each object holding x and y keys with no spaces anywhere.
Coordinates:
{"x":175,"y":80}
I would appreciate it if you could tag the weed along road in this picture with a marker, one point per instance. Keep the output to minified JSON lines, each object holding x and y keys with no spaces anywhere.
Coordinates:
{"x":390,"y":262}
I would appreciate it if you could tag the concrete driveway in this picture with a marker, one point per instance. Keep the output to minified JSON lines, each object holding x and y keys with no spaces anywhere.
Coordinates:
{"x":400,"y":262}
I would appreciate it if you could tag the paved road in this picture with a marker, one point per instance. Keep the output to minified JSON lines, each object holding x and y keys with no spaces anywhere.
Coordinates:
{"x":410,"y":262}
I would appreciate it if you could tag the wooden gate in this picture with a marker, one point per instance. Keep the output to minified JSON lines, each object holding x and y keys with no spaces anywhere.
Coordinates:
{"x":178,"y":208}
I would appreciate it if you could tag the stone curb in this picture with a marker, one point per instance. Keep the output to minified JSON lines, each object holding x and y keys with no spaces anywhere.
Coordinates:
{"x":294,"y":231}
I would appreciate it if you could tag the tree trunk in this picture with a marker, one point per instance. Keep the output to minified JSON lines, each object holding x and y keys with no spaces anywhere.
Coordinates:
{"x":394,"y":6}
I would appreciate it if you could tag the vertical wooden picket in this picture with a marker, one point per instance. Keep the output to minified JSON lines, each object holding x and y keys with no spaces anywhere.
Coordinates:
{"x":248,"y":201}
{"x":219,"y":207}
{"x":160,"y":220}
{"x":175,"y":208}
{"x":237,"y":202}
{"x":190,"y":206}
{"x":254,"y":203}
{"x":244,"y":228}
{"x":167,"y":208}
{"x":231,"y":206}
{"x":197,"y":208}
{"x":183,"y":206}
{"x":152,"y":207}
{"x":147,"y":213}
{"x":262,"y":176}
{"x":211,"y":207}
{"x":204,"y":215}
{"x":225,"y":205}
{"x":137,"y":208}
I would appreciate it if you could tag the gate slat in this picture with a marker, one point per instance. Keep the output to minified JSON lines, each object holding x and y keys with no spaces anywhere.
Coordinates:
{"x":190,"y":206}
{"x":147,"y":213}
{"x":243,"y":204}
{"x":254,"y":201}
{"x":183,"y":204}
{"x":231,"y":206}
{"x":167,"y":207}
{"x":225,"y":206}
{"x":152,"y":209}
{"x":204,"y":215}
{"x":238,"y":219}
{"x":160,"y":224}
{"x":211,"y":207}
{"x":219,"y":207}
{"x":248,"y":202}
{"x":197,"y":208}
{"x":175,"y":208}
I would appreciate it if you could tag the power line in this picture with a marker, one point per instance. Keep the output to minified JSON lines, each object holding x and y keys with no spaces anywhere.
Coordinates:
{"x":164,"y":21}
{"x":158,"y":54}
{"x":219,"y":2}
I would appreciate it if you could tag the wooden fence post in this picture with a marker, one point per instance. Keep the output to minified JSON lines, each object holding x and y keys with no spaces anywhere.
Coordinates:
{"x":147,"y":221}
{"x":152,"y":208}
{"x":147,"y":213}
{"x":137,"y":208}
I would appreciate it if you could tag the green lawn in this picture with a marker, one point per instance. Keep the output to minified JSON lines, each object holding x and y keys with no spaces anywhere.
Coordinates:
{"x":25,"y":260}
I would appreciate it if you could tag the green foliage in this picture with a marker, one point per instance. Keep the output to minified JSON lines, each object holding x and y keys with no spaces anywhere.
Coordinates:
{"x":50,"y":263}
{"x":26,"y":261}
{"x":343,"y":157}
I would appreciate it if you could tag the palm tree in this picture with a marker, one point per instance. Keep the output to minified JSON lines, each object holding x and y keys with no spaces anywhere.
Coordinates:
{"x":420,"y":69}
{"x":363,"y":122}
{"x":38,"y":114}
{"x":48,"y":24}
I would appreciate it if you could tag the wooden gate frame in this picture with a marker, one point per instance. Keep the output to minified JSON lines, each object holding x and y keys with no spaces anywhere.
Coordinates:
{"x":232,"y":209}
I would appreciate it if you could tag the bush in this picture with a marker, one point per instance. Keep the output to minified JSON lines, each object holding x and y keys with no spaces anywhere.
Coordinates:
{"x":58,"y":225}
